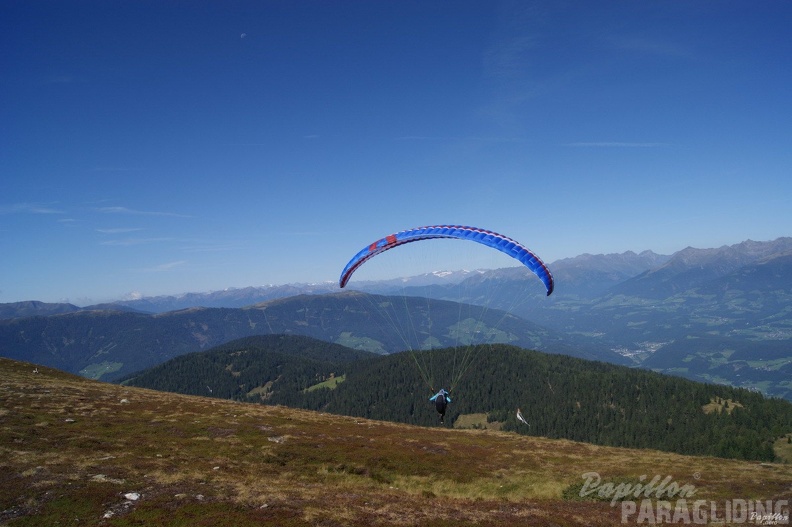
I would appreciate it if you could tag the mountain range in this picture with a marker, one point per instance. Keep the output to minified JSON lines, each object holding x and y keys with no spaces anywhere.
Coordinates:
{"x":105,"y":344}
{"x":720,"y":315}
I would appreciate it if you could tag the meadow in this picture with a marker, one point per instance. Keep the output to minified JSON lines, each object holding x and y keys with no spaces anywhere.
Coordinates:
{"x":79,"y":452}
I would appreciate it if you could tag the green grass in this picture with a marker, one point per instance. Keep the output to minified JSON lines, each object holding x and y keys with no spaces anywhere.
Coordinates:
{"x":95,"y":371}
{"x":72,"y":448}
{"x":361,"y":343}
{"x":329,"y":383}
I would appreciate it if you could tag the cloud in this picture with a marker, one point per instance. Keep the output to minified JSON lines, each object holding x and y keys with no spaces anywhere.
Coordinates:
{"x":648,"y":46}
{"x":615,"y":144}
{"x":114,"y":169}
{"x":483,"y":139}
{"x":121,"y":230}
{"x":134,"y":241}
{"x":204,"y":247}
{"x":169,"y":265}
{"x":135,"y":212}
{"x":29,"y":208}
{"x":163,"y":267}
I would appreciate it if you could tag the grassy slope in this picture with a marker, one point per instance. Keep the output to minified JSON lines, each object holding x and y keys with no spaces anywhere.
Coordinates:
{"x":71,"y":449}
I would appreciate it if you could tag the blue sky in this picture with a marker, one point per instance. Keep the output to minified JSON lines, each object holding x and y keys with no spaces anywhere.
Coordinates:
{"x":151,"y":147}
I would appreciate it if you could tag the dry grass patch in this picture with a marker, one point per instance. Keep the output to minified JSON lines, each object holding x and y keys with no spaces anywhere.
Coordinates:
{"x":718,"y":404}
{"x":783,"y":448}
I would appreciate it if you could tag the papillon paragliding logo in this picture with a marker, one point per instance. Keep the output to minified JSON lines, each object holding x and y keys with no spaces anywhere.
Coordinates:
{"x":400,"y":319}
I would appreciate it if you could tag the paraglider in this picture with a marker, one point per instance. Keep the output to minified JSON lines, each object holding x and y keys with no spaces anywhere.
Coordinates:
{"x":488,"y":238}
{"x":521,"y":418}
{"x":389,"y":313}
{"x":441,"y":400}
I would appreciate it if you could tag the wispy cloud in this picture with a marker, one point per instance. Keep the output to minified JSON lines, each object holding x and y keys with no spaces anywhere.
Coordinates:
{"x":135,"y":241}
{"x":208,"y":247}
{"x":29,"y":208}
{"x":114,"y":169}
{"x":483,"y":139}
{"x":135,"y":212}
{"x":298,"y":233}
{"x":648,"y":46}
{"x":615,"y":144}
{"x":512,"y":69}
{"x":121,"y":230}
{"x":168,"y":266}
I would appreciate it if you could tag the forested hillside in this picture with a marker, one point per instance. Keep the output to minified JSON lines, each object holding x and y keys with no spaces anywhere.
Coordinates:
{"x":250,"y":368}
{"x":561,"y":397}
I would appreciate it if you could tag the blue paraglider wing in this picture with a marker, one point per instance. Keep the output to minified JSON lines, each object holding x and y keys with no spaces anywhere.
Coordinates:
{"x":488,"y":238}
